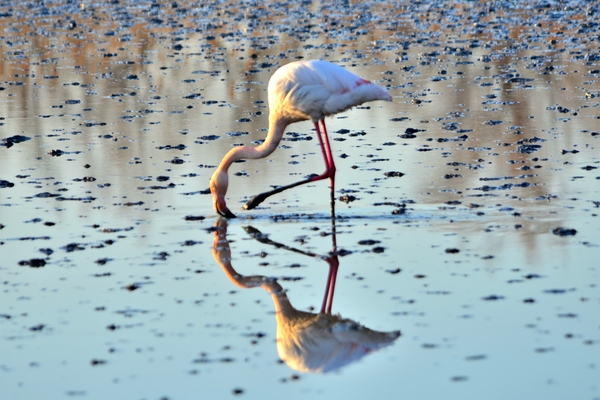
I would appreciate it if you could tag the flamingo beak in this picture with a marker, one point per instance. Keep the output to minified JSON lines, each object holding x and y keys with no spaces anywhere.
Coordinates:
{"x":221,"y":207}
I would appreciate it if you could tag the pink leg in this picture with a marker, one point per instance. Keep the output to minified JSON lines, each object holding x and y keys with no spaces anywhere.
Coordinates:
{"x":327,"y":155}
{"x":330,"y":161}
{"x":331,"y":169}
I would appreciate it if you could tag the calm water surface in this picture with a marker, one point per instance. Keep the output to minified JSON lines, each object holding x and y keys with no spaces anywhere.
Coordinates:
{"x":119,"y":281}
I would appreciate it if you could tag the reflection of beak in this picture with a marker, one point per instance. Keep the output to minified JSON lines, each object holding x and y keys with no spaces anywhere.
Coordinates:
{"x":305,"y":341}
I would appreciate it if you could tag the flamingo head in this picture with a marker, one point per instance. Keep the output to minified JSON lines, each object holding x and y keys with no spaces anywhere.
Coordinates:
{"x":218,"y":188}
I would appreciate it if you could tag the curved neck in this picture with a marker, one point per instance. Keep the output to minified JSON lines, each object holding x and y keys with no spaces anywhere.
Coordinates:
{"x":276,"y":128}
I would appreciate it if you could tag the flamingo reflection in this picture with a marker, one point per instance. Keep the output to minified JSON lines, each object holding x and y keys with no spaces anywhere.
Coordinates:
{"x":306,"y":342}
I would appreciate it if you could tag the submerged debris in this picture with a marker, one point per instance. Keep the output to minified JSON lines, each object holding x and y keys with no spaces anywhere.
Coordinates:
{"x":564,"y":231}
{"x":10,"y":141}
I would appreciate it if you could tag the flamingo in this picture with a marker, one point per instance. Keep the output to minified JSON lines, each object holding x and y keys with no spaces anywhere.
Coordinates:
{"x":299,"y":91}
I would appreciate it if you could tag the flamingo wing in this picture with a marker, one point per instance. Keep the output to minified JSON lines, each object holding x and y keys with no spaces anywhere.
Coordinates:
{"x":315,"y":89}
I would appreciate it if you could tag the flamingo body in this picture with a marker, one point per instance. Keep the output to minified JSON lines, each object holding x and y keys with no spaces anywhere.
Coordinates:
{"x":299,"y":91}
{"x":313,"y":90}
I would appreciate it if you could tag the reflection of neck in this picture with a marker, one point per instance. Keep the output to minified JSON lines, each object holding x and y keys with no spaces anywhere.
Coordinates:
{"x":222,"y":255}
{"x":284,"y":310}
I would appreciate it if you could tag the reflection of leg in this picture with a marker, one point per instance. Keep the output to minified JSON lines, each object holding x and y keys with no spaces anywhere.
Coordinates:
{"x":326,"y":295}
{"x":333,"y":237}
{"x":332,"y":260}
{"x":334,"y":263}
{"x":330,"y":287}
{"x":332,"y":200}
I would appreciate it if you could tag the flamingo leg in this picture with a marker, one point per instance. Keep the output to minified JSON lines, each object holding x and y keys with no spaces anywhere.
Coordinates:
{"x":330,"y":164}
{"x":329,"y":173}
{"x":327,"y":154}
{"x":329,"y":161}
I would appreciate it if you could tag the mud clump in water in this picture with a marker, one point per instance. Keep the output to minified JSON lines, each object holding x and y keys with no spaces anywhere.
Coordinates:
{"x":33,"y":263}
{"x":564,"y":232}
{"x":10,"y":141}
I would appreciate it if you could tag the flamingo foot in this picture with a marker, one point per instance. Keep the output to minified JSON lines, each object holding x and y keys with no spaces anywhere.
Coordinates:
{"x":226,"y":213}
{"x":256,"y":200}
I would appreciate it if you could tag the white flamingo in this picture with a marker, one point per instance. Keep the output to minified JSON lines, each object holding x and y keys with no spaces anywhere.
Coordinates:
{"x":299,"y":91}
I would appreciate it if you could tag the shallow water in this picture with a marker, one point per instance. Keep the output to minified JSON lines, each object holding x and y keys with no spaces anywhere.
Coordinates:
{"x":483,"y":254}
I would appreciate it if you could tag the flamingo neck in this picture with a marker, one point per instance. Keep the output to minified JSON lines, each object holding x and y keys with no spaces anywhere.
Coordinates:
{"x":276,"y":129}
